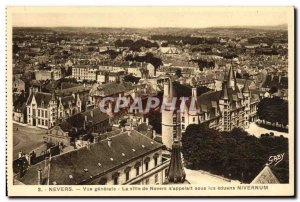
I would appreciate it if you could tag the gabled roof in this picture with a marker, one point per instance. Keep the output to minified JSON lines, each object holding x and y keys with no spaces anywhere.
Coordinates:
{"x":40,"y":97}
{"x":83,"y":164}
{"x":266,"y":176}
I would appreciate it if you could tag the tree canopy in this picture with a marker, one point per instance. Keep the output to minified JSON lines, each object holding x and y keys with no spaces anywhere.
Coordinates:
{"x":274,"y":110}
{"x":235,"y":154}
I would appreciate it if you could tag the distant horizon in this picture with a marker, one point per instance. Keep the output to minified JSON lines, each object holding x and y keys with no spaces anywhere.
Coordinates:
{"x":159,"y":27}
{"x":150,"y":17}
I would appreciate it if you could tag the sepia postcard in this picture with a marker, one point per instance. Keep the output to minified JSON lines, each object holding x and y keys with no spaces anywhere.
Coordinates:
{"x":150,"y":101}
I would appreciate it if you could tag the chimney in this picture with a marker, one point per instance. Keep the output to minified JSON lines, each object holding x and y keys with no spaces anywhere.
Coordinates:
{"x":40,"y":177}
{"x":20,"y":154}
{"x":88,"y":145}
{"x":109,"y":142}
{"x":194,"y":92}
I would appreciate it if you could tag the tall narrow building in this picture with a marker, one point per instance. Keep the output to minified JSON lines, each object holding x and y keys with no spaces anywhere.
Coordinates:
{"x":170,"y":118}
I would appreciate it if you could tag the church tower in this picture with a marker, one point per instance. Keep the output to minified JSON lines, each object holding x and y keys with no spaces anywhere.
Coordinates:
{"x":170,"y":118}
{"x":53,"y":105}
{"x":225,"y":107}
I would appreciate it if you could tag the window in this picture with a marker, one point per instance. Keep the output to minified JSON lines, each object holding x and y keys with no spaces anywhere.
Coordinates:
{"x":146,"y":162}
{"x":147,"y":166}
{"x":42,"y":122}
{"x":174,"y":128}
{"x":127,"y":175}
{"x":42,"y":113}
{"x":46,"y":123}
{"x":103,"y":181}
{"x":137,"y":171}
{"x":46,"y":114}
{"x":156,"y":155}
{"x":194,"y":119}
{"x":182,"y":126}
{"x":39,"y":121}
{"x":33,"y":112}
{"x":182,"y":119}
{"x":116,"y":180}
{"x":39,"y":112}
{"x":166,"y":173}
{"x":147,"y":181}
{"x":156,"y":178}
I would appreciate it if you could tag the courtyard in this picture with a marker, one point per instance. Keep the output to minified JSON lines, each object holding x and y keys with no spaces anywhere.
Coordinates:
{"x":257,"y":130}
{"x":26,"y":138}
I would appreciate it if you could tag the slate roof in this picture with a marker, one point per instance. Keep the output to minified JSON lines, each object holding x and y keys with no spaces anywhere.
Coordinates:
{"x":39,"y":97}
{"x":82,"y":164}
{"x":94,"y":116}
{"x":114,"y":88}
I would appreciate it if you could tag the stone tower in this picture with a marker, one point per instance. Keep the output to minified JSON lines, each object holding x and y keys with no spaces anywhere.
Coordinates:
{"x":170,"y":118}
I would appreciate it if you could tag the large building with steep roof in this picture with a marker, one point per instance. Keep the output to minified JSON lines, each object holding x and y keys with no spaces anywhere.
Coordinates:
{"x":124,"y":158}
{"x":222,"y":110}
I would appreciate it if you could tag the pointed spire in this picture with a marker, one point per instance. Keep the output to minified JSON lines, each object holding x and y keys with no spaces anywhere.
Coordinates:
{"x":224,"y":92}
{"x":176,"y":173}
{"x":246,"y":87}
{"x":230,"y":74}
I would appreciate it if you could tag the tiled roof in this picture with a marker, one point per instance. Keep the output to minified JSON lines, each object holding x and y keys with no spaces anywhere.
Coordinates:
{"x":83,"y":164}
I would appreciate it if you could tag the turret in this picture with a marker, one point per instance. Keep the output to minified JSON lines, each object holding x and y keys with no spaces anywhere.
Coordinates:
{"x":176,"y":173}
{"x":224,"y":92}
{"x":246,"y":91}
{"x":231,"y":79}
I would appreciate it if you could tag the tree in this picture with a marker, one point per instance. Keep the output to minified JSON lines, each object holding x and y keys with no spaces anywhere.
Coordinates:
{"x":155,"y":120}
{"x":273,"y":90}
{"x":234,"y":154}
{"x":132,"y":79}
{"x":273,"y":110}
{"x":201,"y":148}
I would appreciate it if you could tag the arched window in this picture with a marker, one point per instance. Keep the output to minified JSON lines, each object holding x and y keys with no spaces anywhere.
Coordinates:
{"x":156,"y":155}
{"x":146,"y":162}
{"x":103,"y":181}
{"x":137,"y":168}
{"x":115,"y":178}
{"x":127,"y":173}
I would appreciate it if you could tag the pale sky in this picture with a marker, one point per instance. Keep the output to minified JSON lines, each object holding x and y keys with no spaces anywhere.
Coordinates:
{"x":194,"y":17}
